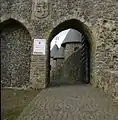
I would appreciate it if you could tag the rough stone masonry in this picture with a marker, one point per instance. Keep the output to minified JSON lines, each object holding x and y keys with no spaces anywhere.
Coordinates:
{"x":99,"y":21}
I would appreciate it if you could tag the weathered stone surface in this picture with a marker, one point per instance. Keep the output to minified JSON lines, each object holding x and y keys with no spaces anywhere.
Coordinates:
{"x":70,"y":49}
{"x":37,"y":71}
{"x":110,"y":83}
{"x":72,"y":66}
{"x":58,"y":72}
{"x":98,"y":22}
{"x":71,"y":103}
{"x":53,"y":69}
{"x":57,"y":64}
{"x":15,"y":55}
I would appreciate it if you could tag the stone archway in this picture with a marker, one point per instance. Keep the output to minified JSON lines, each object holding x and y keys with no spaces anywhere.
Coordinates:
{"x":15,"y":54}
{"x":79,"y":26}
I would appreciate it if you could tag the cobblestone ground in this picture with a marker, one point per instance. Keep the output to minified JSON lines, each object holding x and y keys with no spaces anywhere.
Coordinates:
{"x":71,"y":103}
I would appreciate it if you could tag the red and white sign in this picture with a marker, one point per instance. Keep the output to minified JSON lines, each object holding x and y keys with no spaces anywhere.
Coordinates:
{"x":39,"y":46}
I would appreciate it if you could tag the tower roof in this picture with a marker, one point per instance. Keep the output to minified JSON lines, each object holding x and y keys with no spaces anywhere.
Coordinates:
{"x":60,"y":53}
{"x":73,"y":36}
{"x":54,"y":50}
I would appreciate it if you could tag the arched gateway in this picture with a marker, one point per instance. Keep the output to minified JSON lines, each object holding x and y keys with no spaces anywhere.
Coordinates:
{"x":86,"y":46}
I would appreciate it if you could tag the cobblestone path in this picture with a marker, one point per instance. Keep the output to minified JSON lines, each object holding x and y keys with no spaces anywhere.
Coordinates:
{"x":71,"y":103}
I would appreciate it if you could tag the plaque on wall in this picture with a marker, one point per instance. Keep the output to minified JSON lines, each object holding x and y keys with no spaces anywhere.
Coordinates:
{"x":39,"y":46}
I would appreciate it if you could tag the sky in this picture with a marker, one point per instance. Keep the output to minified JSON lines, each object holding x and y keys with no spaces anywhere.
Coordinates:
{"x":59,"y":38}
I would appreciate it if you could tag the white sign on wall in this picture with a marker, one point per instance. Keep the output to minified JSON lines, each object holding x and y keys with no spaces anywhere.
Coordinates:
{"x":39,"y":46}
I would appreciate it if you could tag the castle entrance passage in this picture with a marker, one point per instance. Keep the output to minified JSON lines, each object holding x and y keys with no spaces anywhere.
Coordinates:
{"x":76,"y":68}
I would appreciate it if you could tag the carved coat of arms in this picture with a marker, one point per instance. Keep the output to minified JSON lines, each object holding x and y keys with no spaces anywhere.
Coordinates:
{"x":40,"y":9}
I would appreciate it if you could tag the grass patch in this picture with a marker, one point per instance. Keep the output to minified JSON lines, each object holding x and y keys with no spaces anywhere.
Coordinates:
{"x":14,"y":101}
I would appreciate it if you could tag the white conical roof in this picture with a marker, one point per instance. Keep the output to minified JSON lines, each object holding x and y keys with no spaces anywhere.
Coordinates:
{"x":54,"y":50}
{"x":73,"y":36}
{"x":60,"y":53}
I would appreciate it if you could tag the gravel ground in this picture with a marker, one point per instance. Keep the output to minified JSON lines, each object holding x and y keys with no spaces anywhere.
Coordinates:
{"x":77,"y":102}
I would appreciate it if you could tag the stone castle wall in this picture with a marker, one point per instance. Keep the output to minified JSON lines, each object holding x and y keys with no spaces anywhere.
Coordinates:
{"x":68,"y":71}
{"x":59,"y":71}
{"x":37,"y":71}
{"x":70,"y":48}
{"x":56,"y":71}
{"x":71,"y":68}
{"x":22,"y":11}
{"x":53,"y":70}
{"x":16,"y":46}
{"x":100,"y":16}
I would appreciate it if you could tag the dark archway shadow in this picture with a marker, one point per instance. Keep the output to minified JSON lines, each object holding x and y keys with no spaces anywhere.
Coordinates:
{"x":16,"y":45}
{"x":10,"y":22}
{"x":77,"y":25}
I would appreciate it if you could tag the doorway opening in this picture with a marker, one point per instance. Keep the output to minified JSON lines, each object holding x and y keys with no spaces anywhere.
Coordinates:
{"x":85,"y":50}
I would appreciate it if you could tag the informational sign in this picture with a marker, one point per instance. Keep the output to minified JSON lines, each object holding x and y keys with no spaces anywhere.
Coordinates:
{"x":39,"y":46}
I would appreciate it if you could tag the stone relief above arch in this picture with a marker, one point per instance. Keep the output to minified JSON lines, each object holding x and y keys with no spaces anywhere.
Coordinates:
{"x":40,"y":9}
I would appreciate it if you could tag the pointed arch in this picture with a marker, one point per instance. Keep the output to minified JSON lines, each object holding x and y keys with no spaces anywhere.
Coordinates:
{"x":11,"y":21}
{"x":79,"y":26}
{"x":16,"y":45}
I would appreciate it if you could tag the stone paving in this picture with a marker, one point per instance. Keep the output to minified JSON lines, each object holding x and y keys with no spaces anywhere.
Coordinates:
{"x":77,"y":102}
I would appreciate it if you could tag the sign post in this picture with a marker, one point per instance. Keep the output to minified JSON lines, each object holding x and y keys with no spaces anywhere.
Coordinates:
{"x":39,"y":46}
